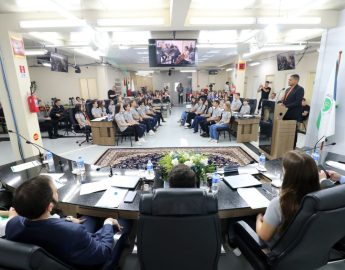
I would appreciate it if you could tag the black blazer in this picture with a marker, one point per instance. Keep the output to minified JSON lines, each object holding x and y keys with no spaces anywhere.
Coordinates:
{"x":294,"y":103}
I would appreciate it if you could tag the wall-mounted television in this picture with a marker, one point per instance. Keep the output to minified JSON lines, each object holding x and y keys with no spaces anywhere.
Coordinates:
{"x":286,"y":61}
{"x":172,"y":52}
{"x":59,"y":62}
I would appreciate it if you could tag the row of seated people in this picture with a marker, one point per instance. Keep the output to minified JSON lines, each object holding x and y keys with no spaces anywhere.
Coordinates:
{"x":210,"y":116}
{"x":86,"y":242}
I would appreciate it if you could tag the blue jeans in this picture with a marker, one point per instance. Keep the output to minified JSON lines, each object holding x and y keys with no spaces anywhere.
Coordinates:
{"x":196,"y":122}
{"x":184,"y":118}
{"x":213,"y":130}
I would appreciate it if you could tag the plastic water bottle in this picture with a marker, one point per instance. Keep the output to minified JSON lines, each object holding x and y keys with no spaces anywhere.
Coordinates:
{"x":262,"y":161}
{"x":316,"y":156}
{"x":80,"y":165}
{"x":149,"y":169}
{"x":50,"y":162}
{"x":215,"y":183}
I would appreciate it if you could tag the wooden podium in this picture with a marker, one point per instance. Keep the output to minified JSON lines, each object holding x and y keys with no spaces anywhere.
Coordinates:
{"x":277,"y":136}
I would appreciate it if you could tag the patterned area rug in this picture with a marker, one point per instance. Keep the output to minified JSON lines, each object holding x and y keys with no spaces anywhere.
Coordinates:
{"x":138,"y":158}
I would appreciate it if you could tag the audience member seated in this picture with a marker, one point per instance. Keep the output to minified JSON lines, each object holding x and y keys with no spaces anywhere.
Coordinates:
{"x":215,"y":117}
{"x":125,"y":126}
{"x":136,"y":116}
{"x":236,"y":103}
{"x":224,"y":122}
{"x":305,"y":110}
{"x":129,"y":119}
{"x":45,"y":123}
{"x":166,"y":98}
{"x":273,"y":97}
{"x":111,"y":107}
{"x":192,"y":114}
{"x":181,"y":176}
{"x":152,"y":120}
{"x":155,"y":110}
{"x":194,"y":105}
{"x":56,"y":114}
{"x":71,"y":240}
{"x":150,"y":112}
{"x":245,"y":109}
{"x":82,"y":120}
{"x":78,"y":101}
{"x":95,"y":111}
{"x":300,"y":178}
{"x":206,"y":114}
{"x":5,"y":216}
{"x":101,"y":107}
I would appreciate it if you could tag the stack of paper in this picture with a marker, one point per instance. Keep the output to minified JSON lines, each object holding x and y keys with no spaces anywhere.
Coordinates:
{"x":249,"y":169}
{"x":25,"y":166}
{"x":125,"y":181}
{"x":94,"y":187}
{"x":112,"y":198}
{"x":253,"y":198}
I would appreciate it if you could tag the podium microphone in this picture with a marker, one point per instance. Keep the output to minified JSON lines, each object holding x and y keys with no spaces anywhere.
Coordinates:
{"x":277,"y":98}
{"x":110,"y":169}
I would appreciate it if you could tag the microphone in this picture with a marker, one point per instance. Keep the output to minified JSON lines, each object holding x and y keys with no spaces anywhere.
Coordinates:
{"x":317,"y":147}
{"x":317,"y":143}
{"x":37,"y":146}
{"x":110,"y":169}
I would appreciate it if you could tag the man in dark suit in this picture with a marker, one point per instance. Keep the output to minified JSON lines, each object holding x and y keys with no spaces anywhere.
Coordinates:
{"x":56,"y":114}
{"x":67,"y":239}
{"x":292,"y":100}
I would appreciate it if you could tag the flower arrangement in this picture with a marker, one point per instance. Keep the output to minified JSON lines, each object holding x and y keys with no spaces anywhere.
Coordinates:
{"x":199,"y":163}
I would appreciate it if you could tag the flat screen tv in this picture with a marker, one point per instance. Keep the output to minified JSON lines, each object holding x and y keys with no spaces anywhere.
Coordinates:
{"x":286,"y":61}
{"x":59,"y":62}
{"x":172,"y":53}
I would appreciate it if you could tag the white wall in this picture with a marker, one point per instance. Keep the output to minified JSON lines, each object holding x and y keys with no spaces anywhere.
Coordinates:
{"x":269,"y":67}
{"x":202,"y":79}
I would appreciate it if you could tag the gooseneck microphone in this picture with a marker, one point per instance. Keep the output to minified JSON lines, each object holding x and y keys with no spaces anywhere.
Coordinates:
{"x":110,"y":169}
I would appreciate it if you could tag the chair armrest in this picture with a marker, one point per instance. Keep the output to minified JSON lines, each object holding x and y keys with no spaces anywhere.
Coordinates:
{"x":247,"y":231}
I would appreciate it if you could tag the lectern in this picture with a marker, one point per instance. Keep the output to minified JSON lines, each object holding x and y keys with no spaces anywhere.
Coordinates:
{"x":277,"y":136}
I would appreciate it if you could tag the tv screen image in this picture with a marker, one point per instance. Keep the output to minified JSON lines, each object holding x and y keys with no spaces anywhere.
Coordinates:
{"x":173,"y":53}
{"x":286,"y":61}
{"x":59,"y":62}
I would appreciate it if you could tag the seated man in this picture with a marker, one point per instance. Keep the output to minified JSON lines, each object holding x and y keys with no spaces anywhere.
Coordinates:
{"x":181,"y":176}
{"x":45,"y":123}
{"x":245,"y":109}
{"x":70,"y":242}
{"x":56,"y":114}
{"x":236,"y":103}
{"x":215,"y":117}
{"x":305,"y":110}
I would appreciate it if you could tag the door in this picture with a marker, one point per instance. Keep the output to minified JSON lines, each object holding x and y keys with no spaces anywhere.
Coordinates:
{"x":310,"y":87}
{"x":88,"y":88}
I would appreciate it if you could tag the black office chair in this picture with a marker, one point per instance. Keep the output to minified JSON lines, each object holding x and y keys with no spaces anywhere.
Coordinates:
{"x":224,"y":130}
{"x":5,"y":198}
{"x":307,"y":243}
{"x":107,"y":102}
{"x":76,"y":128}
{"x":178,"y":229}
{"x":88,"y":108}
{"x":27,"y":257}
{"x":123,"y":134}
{"x":252,"y":103}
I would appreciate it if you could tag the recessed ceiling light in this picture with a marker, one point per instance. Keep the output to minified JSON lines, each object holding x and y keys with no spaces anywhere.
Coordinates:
{"x":131,"y":21}
{"x":52,"y":23}
{"x":289,"y":20}
{"x":254,"y":64}
{"x":222,"y":20}
{"x":187,"y":71}
{"x":35,"y":52}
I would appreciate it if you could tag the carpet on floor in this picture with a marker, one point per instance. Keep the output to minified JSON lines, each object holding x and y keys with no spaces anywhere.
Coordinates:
{"x":137,"y":158}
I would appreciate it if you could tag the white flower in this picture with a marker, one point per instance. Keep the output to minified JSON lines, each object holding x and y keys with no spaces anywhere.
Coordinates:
{"x":204,"y":161}
{"x":171,"y":153}
{"x":174,"y":162}
{"x":189,"y":163}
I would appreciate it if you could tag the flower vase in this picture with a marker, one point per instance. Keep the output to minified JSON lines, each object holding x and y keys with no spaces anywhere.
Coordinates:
{"x":165,"y":184}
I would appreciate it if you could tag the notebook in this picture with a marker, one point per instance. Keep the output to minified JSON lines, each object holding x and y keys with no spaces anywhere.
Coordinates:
{"x":241,"y":181}
{"x":124,"y":181}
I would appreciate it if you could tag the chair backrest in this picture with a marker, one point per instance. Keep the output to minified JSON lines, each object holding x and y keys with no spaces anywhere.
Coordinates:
{"x":88,"y":108}
{"x":107,"y":102}
{"x":178,"y":229}
{"x":317,"y":227}
{"x":27,"y":257}
{"x":252,"y":103}
{"x":73,"y":121}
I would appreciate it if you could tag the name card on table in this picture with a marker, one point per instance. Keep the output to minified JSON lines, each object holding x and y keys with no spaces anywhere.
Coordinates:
{"x":253,"y":198}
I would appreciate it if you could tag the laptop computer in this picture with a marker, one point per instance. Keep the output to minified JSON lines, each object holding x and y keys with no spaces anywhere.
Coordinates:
{"x":241,"y":181}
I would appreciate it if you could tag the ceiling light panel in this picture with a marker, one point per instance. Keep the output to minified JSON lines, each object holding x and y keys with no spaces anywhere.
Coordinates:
{"x":49,"y":37}
{"x":289,"y":20}
{"x":134,"y":4}
{"x":52,"y":23}
{"x":221,"y":4}
{"x":299,"y":35}
{"x":47,"y":5}
{"x":131,"y":21}
{"x":285,"y":5}
{"x":222,"y":20}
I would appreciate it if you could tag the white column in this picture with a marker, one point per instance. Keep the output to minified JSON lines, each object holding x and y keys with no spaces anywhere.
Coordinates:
{"x":102,"y":82}
{"x":239,"y":76}
{"x":14,"y":76}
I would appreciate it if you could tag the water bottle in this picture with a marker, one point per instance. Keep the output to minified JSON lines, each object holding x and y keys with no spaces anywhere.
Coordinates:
{"x":316,"y":156}
{"x":215,"y":183}
{"x":50,"y":162}
{"x":80,"y":165}
{"x":149,"y":169}
{"x":262,"y":161}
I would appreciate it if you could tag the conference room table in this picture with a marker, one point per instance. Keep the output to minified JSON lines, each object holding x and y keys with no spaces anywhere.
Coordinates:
{"x":230,"y":203}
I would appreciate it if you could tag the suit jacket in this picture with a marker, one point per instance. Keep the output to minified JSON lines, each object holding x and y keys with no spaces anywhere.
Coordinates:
{"x":56,"y":110}
{"x":294,"y":103}
{"x":69,"y":242}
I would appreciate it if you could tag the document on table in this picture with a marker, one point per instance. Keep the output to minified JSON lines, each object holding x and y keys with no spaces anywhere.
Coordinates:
{"x":56,"y":179}
{"x":253,"y":197}
{"x":124,"y":181}
{"x":94,"y":187}
{"x":112,"y":197}
{"x":99,"y":119}
{"x":249,"y":169}
{"x":25,"y":166}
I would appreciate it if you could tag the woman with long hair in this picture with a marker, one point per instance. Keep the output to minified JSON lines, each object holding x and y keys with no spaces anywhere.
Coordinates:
{"x":83,"y":120}
{"x":300,"y":178}
{"x":101,"y":107}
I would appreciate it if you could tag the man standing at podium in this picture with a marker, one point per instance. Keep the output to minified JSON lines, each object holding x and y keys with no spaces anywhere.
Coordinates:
{"x":292,"y":100}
